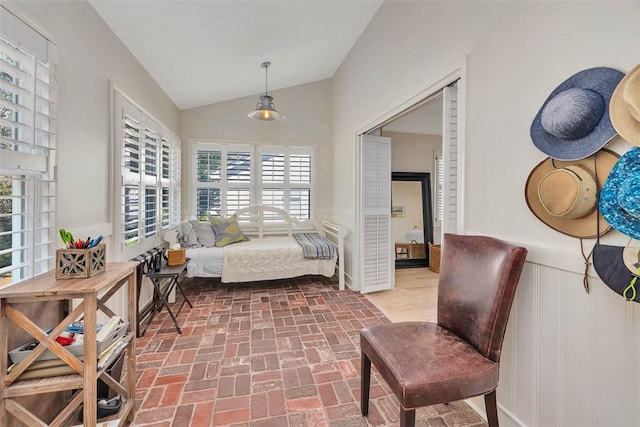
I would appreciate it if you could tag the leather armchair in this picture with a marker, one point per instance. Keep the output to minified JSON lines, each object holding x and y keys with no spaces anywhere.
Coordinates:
{"x":459,"y":356}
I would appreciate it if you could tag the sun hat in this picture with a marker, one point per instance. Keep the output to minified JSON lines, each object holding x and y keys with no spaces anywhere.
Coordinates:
{"x":616,"y":266}
{"x":573,"y":123}
{"x":620,"y":197}
{"x":563,"y":194}
{"x":624,"y":109}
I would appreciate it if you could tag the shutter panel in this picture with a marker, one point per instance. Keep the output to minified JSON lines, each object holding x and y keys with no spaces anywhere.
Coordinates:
{"x":376,"y":268}
{"x":27,"y":142}
{"x":131,"y":171}
{"x":450,"y":214}
{"x":175,"y":178}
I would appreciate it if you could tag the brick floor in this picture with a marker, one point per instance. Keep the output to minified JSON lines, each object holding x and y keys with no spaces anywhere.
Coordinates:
{"x":277,"y":353}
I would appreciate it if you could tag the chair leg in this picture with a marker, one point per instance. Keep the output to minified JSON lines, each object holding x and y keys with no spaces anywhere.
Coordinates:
{"x":407,"y":417}
{"x":365,"y":382}
{"x":491,"y":407}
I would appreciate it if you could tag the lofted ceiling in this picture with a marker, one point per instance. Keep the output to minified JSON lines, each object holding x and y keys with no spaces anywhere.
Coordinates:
{"x":204,"y":52}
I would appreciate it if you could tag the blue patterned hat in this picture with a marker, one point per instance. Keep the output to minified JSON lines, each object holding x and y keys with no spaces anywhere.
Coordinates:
{"x":620,"y":197}
{"x":573,"y":122}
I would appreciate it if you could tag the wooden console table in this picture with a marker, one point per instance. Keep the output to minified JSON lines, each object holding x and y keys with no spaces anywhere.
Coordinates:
{"x":91,"y":295}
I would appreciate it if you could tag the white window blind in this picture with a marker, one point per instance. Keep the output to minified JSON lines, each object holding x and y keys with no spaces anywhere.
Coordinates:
{"x":227,"y":178}
{"x":27,"y":152}
{"x":148,"y":177}
{"x":286,"y":179}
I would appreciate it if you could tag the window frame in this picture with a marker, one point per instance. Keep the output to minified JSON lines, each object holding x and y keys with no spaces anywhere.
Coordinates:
{"x":256,"y":185}
{"x":28,"y":162}
{"x":158,"y":181}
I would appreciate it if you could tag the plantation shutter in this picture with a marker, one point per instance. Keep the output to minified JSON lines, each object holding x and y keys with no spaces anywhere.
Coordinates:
{"x":165,"y":179}
{"x":450,"y":206}
{"x":27,"y":151}
{"x":147,"y":178}
{"x":286,"y":179}
{"x":238,"y":177}
{"x":376,"y":262}
{"x":131,"y":172}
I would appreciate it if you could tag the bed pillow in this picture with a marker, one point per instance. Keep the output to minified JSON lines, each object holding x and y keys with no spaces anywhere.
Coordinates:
{"x":205,"y":233}
{"x":227,"y":230}
{"x":188,"y":236}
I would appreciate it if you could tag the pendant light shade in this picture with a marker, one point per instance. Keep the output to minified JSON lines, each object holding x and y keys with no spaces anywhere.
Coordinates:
{"x":266,"y":108}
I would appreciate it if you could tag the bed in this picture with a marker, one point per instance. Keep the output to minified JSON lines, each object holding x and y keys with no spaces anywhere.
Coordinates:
{"x":272,"y":252}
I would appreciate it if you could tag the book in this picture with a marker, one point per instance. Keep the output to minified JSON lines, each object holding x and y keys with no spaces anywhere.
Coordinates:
{"x":109,"y":326}
{"x":56,"y":367}
{"x":109,"y":354}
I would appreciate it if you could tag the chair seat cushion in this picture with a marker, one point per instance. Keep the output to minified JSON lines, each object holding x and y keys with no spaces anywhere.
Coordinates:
{"x":425,"y":364}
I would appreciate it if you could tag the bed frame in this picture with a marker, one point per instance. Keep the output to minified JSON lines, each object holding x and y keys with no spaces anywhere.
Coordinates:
{"x":261,"y":221}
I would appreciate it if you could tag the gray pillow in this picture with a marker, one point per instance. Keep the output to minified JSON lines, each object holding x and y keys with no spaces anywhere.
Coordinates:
{"x":188,"y":235}
{"x":205,"y":233}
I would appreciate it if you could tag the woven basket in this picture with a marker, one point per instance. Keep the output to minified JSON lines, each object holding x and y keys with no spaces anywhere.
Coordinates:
{"x":416,"y":250}
{"x":176,"y":256}
{"x":434,"y":258}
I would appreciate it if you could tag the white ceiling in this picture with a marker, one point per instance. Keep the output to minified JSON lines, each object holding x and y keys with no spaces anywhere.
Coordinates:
{"x":426,"y":119}
{"x":203,"y":52}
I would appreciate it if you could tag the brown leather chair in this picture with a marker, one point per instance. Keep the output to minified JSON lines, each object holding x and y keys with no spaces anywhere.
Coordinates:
{"x":457,"y":358}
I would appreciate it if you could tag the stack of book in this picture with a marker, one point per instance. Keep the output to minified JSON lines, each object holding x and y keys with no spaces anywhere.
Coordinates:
{"x":56,"y":367}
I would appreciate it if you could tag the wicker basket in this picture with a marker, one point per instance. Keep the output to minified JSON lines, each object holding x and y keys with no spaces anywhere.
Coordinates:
{"x":434,"y":258}
{"x":416,"y":250}
{"x":80,"y":263}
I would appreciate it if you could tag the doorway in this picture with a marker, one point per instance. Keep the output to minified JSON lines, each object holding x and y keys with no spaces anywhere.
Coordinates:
{"x":375,"y":246}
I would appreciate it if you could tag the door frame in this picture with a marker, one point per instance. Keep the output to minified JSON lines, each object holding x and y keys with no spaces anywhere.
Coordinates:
{"x":427,"y":217}
{"x":459,"y":76}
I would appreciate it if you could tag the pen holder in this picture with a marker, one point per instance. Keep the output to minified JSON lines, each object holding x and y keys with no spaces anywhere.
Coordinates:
{"x":80,"y":263}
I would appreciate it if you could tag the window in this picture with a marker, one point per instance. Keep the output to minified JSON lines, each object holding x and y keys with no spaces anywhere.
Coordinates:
{"x":228,"y":177}
{"x":27,"y":153}
{"x":148,"y":162}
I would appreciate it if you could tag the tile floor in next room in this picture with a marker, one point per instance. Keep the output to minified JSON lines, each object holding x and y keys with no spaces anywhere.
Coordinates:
{"x":278,"y":353}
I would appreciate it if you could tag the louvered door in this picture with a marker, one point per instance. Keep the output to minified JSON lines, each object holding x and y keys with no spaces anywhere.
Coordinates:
{"x":376,"y":263}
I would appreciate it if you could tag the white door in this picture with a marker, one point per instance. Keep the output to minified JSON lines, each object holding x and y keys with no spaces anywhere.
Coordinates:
{"x":376,"y":263}
{"x":451,"y":214}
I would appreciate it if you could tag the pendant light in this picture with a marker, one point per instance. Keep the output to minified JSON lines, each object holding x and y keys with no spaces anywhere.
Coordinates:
{"x":266,"y":108}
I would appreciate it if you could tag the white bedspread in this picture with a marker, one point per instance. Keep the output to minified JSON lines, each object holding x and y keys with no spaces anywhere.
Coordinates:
{"x":270,"y":258}
{"x":205,"y":262}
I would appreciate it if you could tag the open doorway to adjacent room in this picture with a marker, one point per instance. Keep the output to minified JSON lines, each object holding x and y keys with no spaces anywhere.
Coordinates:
{"x":419,"y":142}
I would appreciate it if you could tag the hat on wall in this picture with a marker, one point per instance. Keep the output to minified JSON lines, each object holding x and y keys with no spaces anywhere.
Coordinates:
{"x":564,"y":194}
{"x":620,"y":197}
{"x":624,"y":110}
{"x":574,"y":122}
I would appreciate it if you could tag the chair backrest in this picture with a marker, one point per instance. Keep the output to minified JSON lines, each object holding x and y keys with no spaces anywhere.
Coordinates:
{"x":477,"y":284}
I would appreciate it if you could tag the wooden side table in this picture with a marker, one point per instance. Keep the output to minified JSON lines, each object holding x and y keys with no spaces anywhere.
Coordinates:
{"x":92,"y":294}
{"x":160,"y":293}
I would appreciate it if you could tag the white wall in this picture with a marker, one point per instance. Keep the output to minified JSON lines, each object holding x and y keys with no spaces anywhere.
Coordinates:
{"x":307,"y":110}
{"x":90,"y":56}
{"x":567,"y":354}
{"x":413,"y":152}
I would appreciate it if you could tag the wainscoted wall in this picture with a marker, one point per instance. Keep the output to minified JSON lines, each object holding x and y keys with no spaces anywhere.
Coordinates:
{"x":569,"y":358}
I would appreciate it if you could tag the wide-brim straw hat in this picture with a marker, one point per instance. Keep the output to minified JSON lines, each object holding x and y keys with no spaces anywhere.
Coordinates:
{"x":620,"y":196}
{"x":573,"y":123}
{"x":563,"y":194}
{"x":624,"y":108}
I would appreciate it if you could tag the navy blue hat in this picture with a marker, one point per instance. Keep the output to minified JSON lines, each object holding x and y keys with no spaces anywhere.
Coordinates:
{"x":620,"y":196}
{"x":573,"y":122}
